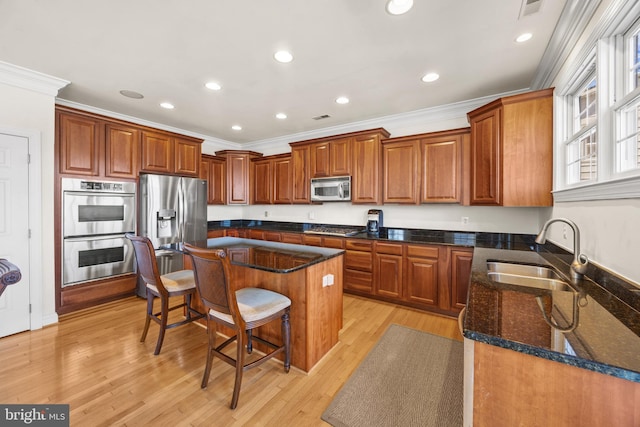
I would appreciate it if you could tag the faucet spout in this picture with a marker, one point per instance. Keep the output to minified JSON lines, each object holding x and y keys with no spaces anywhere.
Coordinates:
{"x":580,"y":261}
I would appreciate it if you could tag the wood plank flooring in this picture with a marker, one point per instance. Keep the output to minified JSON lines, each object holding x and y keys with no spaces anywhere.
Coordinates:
{"x":93,"y":361}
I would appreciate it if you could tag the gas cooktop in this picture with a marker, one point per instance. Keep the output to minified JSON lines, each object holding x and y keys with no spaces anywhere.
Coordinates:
{"x":334,"y":230}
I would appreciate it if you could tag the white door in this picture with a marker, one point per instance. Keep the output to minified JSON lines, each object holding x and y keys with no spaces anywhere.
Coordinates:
{"x":14,"y":230}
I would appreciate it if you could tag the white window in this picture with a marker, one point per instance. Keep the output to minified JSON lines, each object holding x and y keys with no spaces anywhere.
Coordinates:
{"x":627,"y":148}
{"x":581,"y":145}
{"x":598,"y":111}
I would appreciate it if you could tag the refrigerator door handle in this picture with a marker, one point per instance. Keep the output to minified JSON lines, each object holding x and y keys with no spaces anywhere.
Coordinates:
{"x":180,"y":215}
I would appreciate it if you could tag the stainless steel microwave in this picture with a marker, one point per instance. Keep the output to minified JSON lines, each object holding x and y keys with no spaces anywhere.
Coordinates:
{"x":332,"y":189}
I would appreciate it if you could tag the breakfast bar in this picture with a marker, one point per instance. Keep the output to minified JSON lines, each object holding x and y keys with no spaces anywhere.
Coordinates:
{"x":310,"y":276}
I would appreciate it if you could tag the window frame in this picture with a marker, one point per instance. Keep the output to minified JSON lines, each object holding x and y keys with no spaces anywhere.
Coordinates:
{"x":608,"y":42}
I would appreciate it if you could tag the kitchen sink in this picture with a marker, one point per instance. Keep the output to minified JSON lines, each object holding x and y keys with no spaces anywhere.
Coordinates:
{"x":533,"y":276}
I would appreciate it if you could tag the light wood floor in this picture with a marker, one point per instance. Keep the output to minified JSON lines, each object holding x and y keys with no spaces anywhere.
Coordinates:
{"x":93,"y":361}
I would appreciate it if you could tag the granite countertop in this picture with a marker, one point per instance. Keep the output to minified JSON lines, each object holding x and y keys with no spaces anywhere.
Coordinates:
{"x":597,"y":324}
{"x":274,"y":257}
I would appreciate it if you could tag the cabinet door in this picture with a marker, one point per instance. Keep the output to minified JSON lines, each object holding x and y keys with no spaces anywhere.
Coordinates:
{"x":80,"y":143}
{"x":320,"y":160}
{"x":187,"y":156}
{"x":157,"y":153}
{"x":388,"y":275}
{"x":300,"y":160}
{"x":238,"y":179}
{"x":441,"y":169}
{"x":217,"y":182}
{"x":282,"y":185}
{"x":401,"y":172}
{"x":460,"y":276}
{"x":340,"y":157}
{"x":365,"y":185}
{"x":262,"y":182}
{"x":486,"y":158}
{"x":121,"y":146}
{"x":422,"y":281}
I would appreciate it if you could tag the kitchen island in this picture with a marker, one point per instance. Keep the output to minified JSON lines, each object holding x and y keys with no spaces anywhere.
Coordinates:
{"x":310,"y":276}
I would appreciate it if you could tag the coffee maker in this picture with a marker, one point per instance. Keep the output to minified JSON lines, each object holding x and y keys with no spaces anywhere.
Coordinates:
{"x":374,"y":223}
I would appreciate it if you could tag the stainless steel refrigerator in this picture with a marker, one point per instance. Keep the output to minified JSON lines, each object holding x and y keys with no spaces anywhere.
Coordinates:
{"x":172,"y":209}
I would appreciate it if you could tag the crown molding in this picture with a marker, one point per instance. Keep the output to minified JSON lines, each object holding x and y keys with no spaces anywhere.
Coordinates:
{"x":574,"y":19}
{"x":24,"y":78}
{"x":401,"y":120}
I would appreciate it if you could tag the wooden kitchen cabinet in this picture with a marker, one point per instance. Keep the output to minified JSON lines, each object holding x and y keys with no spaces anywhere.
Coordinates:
{"x":187,"y":156}
{"x":423,"y":275}
{"x":300,"y":164}
{"x":358,"y":266}
{"x":213,"y":170}
{"x":512,"y":151}
{"x":424,"y":168}
{"x":80,"y":142}
{"x":156,"y":152}
{"x":401,"y":170}
{"x":272,"y":180}
{"x":389,"y":270}
{"x":366,"y":185}
{"x":121,"y":146}
{"x":238,"y":169}
{"x":357,"y":154}
{"x":460,"y":260}
{"x":441,"y":166}
{"x":166,"y":153}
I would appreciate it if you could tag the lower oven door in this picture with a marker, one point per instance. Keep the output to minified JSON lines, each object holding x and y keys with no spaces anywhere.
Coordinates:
{"x":90,"y":258}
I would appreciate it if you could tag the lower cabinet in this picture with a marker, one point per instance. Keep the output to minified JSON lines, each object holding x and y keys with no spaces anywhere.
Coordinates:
{"x":429,"y":277}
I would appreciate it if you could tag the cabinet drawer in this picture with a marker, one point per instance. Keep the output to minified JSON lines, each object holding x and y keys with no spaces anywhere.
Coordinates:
{"x":388,"y":248}
{"x":359,"y":245}
{"x":272,"y":236}
{"x":292,"y":238}
{"x":333,"y":242}
{"x":357,"y":260}
{"x":422,"y":251}
{"x":312,"y":240}
{"x":358,"y":280}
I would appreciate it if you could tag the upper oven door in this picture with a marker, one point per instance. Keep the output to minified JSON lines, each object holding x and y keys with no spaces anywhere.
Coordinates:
{"x":86,"y":214}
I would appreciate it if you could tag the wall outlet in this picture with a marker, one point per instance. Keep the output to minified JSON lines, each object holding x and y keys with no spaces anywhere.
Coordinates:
{"x":312,"y":215}
{"x":266,"y":214}
{"x":327,"y":280}
{"x":465,"y":220}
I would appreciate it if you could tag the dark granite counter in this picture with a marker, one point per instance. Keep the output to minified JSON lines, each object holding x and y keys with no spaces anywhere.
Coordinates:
{"x":268,"y":256}
{"x":597,"y":325}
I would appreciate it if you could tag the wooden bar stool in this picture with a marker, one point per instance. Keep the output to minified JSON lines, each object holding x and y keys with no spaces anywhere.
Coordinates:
{"x":174,"y":284}
{"x":242,"y":311}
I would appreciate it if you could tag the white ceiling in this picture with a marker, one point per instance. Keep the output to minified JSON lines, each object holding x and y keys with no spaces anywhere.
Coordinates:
{"x":168,"y":49}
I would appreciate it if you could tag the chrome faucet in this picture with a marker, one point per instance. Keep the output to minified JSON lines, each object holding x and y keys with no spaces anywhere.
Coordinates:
{"x":580,"y":261}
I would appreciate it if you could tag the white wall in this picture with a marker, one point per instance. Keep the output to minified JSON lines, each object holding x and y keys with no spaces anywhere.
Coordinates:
{"x":31,"y":111}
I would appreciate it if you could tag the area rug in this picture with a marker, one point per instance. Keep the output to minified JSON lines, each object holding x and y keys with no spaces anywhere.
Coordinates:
{"x":409,"y":378}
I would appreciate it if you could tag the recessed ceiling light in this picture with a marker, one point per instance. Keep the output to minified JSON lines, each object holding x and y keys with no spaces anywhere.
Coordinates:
{"x":342,"y":100}
{"x":236,"y":127}
{"x":398,"y":7}
{"x":213,"y":86}
{"x":281,"y":116}
{"x":167,"y":105}
{"x":131,"y":94}
{"x":430,"y":77}
{"x":524,"y":37}
{"x":283,"y":56}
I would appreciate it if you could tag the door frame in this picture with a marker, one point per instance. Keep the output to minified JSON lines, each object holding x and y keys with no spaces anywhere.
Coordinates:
{"x":36,"y":288}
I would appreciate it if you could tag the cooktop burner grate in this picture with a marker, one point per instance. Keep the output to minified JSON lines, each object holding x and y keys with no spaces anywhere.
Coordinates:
{"x":334,"y":230}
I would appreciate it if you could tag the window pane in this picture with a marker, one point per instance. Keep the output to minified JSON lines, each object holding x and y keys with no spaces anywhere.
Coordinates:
{"x":627,"y":147}
{"x":634,"y":61}
{"x":585,"y":106}
{"x":582,"y":158}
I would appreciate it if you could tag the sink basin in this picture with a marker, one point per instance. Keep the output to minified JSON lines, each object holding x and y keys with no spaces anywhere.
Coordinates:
{"x":532,"y":276}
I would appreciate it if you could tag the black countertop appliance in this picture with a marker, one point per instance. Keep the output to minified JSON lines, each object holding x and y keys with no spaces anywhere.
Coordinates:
{"x":374,"y":222}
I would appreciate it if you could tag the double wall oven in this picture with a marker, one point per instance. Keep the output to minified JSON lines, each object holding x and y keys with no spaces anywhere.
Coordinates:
{"x":95,"y":217}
